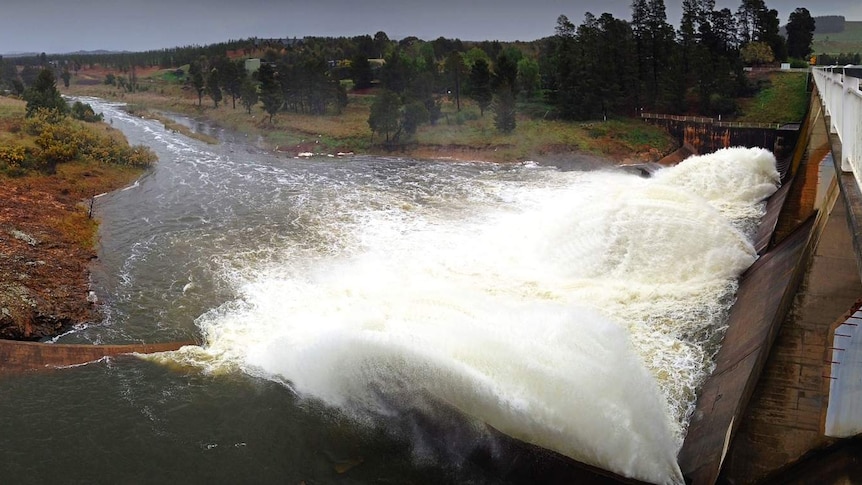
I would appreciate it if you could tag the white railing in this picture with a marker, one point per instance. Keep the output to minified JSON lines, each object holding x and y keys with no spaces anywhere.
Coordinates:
{"x":842,"y":100}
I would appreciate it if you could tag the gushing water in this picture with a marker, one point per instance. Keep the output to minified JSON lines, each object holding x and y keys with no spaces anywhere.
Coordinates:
{"x":578,"y":311}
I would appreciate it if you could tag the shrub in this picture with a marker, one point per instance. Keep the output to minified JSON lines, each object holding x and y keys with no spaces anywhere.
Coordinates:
{"x":61,"y":141}
{"x":85,"y":112}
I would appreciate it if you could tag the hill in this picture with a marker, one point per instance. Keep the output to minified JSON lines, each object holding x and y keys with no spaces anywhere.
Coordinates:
{"x":848,"y":41}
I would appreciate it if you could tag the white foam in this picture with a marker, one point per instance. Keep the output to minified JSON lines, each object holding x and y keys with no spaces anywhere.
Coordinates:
{"x":581,"y":317}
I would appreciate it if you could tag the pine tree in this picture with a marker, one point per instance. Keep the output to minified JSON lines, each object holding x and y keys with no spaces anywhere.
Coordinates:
{"x":196,"y":77}
{"x":43,"y":94}
{"x":270,"y":90}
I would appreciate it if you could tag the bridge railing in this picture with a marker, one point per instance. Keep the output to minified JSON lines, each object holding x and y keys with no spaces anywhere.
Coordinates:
{"x":712,"y":121}
{"x":842,"y":100}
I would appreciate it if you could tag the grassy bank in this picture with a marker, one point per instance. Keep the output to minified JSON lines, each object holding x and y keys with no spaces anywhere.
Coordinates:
{"x":783,"y":99}
{"x":460,"y":135}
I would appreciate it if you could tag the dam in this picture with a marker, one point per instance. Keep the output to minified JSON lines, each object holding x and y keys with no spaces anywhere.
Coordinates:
{"x":237,"y":407}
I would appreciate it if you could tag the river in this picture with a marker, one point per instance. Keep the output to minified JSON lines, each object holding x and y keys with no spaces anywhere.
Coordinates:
{"x":368,"y":319}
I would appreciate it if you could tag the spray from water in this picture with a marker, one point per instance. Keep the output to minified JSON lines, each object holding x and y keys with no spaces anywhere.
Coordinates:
{"x":580,"y":316}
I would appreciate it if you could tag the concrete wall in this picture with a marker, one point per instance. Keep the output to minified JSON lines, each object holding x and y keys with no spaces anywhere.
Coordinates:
{"x":784,"y":419}
{"x":707,"y":137}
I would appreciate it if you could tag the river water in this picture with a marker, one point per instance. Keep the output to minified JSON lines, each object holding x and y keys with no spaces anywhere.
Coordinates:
{"x":370,"y":319}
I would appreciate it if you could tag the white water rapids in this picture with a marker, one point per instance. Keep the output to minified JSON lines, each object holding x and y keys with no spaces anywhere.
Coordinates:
{"x":580,"y":315}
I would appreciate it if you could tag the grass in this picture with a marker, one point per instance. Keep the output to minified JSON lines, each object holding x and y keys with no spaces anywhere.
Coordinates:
{"x":849,"y":41}
{"x":784,"y":100}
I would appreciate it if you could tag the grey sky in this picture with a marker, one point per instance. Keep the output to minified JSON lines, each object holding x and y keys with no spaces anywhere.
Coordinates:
{"x":57,"y":26}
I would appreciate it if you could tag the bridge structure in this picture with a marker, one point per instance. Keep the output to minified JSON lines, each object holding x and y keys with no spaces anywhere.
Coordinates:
{"x":784,"y":404}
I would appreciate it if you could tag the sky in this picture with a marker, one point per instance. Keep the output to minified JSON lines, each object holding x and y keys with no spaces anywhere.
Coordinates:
{"x":61,"y":26}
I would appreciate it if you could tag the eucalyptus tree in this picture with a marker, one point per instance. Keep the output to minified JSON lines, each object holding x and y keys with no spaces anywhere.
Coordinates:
{"x":385,"y":115}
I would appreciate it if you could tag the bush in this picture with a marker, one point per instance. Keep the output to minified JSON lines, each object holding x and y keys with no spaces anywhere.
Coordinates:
{"x":85,"y":112}
{"x":722,"y":105}
{"x":62,"y":140}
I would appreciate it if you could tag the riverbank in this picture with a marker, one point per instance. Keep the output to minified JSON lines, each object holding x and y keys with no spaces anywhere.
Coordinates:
{"x":464,"y":135}
{"x":47,"y":237}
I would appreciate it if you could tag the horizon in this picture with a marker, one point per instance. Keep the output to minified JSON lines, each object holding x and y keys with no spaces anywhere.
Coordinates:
{"x":118,"y":26}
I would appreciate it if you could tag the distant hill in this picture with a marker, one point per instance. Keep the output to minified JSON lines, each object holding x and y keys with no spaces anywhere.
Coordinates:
{"x":849,"y":40}
{"x":19,"y":54}
{"x":824,"y":24}
{"x":829,"y":24}
{"x":76,"y":53}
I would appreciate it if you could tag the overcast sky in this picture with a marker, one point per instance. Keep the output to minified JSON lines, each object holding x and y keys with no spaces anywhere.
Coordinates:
{"x":58,"y":26}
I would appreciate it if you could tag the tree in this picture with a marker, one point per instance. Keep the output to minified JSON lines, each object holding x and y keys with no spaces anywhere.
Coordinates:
{"x":757,"y":23}
{"x":480,"y":85}
{"x":385,"y":114}
{"x":248,"y":93}
{"x":757,"y":53}
{"x":29,"y":75}
{"x":212,"y":86}
{"x":270,"y":90}
{"x":455,"y":69}
{"x":196,"y":76}
{"x":528,"y":76}
{"x":43,"y":94}
{"x":382,"y":44}
{"x":800,"y":33}
{"x":65,"y":76}
{"x":398,"y":71}
{"x":414,"y":115}
{"x":505,"y":72}
{"x":360,"y":72}
{"x":85,"y":112}
{"x":504,"y":109}
{"x":231,"y":75}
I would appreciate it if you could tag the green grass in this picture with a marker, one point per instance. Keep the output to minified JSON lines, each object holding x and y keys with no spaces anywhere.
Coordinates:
{"x":785,"y":100}
{"x":849,"y":41}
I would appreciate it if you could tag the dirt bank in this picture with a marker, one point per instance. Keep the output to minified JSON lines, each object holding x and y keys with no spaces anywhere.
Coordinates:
{"x":46,"y":244}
